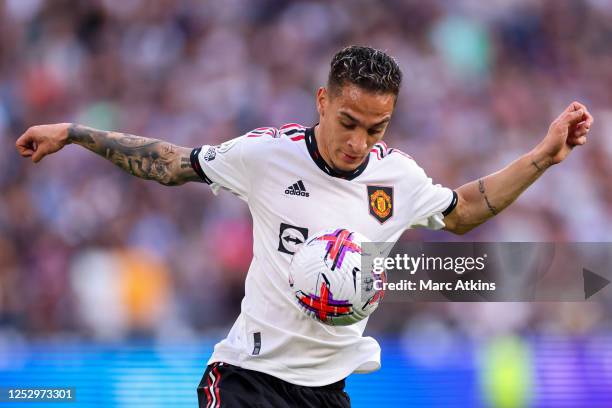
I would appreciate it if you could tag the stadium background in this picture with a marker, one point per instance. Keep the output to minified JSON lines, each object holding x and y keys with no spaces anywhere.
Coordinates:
{"x":120,"y":287}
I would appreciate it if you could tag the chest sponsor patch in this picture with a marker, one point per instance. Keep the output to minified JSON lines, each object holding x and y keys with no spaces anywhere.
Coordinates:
{"x":290,"y":238}
{"x":380,"y":202}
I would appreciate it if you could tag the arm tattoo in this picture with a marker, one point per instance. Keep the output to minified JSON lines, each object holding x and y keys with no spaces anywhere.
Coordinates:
{"x":538,"y":168}
{"x":185,"y":162}
{"x":481,"y":188}
{"x":541,"y":165}
{"x":142,"y":157}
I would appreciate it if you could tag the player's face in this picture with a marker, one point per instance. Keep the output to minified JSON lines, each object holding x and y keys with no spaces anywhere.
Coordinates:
{"x":350,"y":123}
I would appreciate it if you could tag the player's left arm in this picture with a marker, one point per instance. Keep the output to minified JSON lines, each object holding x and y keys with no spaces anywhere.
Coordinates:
{"x":482,"y":199}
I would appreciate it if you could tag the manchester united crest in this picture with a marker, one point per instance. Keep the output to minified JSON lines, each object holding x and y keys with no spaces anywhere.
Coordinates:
{"x":381,"y":202}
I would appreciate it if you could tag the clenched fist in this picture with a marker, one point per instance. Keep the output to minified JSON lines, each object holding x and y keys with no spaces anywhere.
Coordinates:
{"x":39,"y":141}
{"x":569,"y":130}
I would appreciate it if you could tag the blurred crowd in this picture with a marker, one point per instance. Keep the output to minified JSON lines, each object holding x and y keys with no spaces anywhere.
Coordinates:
{"x":88,"y":250}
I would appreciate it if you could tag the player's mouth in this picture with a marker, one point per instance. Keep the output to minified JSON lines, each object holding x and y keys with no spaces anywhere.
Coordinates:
{"x":349,"y":158}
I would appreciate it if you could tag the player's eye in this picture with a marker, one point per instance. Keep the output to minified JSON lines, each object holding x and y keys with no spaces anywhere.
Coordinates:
{"x":373,"y":132}
{"x":349,"y":126}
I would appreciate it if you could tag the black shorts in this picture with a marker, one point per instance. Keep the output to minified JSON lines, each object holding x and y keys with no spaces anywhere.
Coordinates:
{"x":225,"y":385}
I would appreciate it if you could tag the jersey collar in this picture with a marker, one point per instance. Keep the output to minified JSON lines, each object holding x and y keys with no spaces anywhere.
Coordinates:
{"x":311,"y":143}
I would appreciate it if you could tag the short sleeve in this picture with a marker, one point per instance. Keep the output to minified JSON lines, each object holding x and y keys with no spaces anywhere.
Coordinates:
{"x":222,"y":167}
{"x":430,"y":202}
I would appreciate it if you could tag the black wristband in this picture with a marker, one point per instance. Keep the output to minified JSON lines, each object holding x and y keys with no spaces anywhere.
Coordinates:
{"x":452,"y":205}
{"x":195,"y":164}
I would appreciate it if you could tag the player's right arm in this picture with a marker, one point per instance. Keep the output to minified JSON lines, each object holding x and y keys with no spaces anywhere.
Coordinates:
{"x":149,"y":159}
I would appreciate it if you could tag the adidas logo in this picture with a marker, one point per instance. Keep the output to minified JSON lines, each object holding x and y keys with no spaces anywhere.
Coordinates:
{"x":297,"y":189}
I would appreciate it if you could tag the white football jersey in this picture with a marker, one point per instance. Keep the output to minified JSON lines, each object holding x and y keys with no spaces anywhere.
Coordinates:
{"x":293,"y":194}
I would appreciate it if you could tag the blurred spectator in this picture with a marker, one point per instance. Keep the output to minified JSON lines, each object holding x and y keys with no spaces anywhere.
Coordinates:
{"x":482,"y":83}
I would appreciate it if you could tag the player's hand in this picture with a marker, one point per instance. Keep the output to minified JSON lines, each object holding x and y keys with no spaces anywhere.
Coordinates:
{"x":569,"y":130}
{"x":39,"y":141}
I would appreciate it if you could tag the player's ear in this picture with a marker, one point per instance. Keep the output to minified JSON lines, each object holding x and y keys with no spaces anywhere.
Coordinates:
{"x":322,"y":100}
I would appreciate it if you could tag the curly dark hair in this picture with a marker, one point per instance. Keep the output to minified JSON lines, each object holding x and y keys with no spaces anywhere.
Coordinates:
{"x":366,"y":67}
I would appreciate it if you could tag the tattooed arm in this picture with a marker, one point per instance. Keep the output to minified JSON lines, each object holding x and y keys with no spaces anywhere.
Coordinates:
{"x":484,"y":198}
{"x":480,"y":200}
{"x":149,"y":159}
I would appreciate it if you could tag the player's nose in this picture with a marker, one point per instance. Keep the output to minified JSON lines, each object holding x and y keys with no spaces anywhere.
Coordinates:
{"x":357,"y":143}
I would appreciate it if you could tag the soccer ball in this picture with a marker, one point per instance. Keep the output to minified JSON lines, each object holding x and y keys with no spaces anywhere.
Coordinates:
{"x":327,"y":280}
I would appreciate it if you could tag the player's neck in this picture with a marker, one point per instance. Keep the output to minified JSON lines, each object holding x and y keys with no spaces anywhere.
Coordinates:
{"x":322,"y":146}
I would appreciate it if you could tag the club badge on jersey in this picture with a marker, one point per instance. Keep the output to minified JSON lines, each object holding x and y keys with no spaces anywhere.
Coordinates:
{"x":380,"y":200}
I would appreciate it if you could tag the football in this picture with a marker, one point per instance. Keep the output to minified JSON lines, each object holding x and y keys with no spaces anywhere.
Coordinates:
{"x":328,"y":281}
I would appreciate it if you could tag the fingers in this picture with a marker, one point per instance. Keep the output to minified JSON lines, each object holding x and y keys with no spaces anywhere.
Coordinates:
{"x":581,"y":129}
{"x":577,"y":112}
{"x":578,"y":136}
{"x":573,"y":117}
{"x":577,"y":141}
{"x":39,"y":154}
{"x":28,"y":146}
{"x":588,"y":118}
{"x":25,"y":151}
{"x":25,"y":144}
{"x":574,"y":106}
{"x":578,"y":120}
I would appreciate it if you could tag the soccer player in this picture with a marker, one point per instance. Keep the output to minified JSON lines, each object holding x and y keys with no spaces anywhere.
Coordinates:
{"x":298,"y":181}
